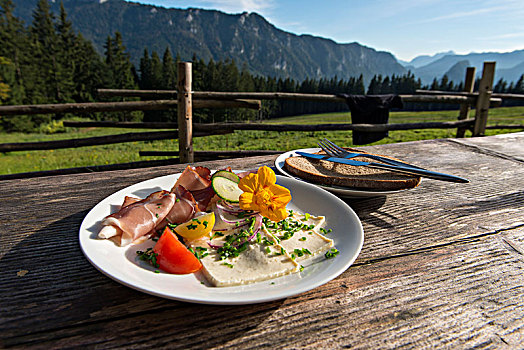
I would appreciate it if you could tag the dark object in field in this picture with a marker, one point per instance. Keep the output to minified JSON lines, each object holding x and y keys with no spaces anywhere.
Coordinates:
{"x":370,"y":109}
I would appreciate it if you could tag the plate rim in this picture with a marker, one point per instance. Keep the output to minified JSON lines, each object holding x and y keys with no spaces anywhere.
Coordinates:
{"x":85,"y":236}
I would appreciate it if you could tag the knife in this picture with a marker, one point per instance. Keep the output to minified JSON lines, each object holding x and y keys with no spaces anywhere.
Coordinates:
{"x":397,"y":168}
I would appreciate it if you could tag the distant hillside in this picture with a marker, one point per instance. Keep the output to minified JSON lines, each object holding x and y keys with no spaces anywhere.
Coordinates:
{"x":247,"y":38}
{"x":509,"y":65}
{"x":422,"y":60}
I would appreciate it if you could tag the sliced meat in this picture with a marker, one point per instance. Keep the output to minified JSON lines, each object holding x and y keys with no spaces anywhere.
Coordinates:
{"x":130,"y":200}
{"x":194,"y":179}
{"x":183,"y":210}
{"x":138,"y":218}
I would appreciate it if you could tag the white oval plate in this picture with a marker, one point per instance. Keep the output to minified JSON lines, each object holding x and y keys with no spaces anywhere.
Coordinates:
{"x":122,"y":265}
{"x":345,"y":192}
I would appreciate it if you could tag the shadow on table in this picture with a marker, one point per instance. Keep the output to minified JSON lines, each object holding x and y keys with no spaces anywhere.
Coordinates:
{"x":55,"y":295}
{"x":367,"y":210}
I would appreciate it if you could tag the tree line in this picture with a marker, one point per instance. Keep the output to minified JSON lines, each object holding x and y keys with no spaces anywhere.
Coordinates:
{"x":48,"y":62}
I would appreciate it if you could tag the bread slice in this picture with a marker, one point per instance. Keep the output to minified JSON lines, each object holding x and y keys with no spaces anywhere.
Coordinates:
{"x":359,"y":177}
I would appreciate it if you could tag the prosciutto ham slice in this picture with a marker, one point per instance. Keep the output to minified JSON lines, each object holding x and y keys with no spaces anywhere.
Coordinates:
{"x":194,"y":179}
{"x":197,"y":180}
{"x":183,"y":210}
{"x":138,"y":218}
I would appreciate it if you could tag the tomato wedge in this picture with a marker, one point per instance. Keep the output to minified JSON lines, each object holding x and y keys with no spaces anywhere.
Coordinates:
{"x":173,"y":256}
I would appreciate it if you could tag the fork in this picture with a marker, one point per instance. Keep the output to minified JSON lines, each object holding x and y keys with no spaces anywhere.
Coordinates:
{"x":336,"y":151}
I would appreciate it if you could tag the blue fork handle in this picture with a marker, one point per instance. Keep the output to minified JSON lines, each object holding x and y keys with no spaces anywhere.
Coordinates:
{"x":382,"y":159}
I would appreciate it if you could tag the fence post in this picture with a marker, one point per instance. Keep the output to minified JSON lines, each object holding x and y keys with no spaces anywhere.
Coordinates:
{"x":185,"y":113}
{"x":485,"y":91}
{"x":469,"y":85}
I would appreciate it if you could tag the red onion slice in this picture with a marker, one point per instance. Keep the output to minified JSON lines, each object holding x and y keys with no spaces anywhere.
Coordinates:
{"x":256,"y":227}
{"x":228,"y":209}
{"x":240,"y":220}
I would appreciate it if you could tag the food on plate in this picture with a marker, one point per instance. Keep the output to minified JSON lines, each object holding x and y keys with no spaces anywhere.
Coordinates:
{"x":227,"y":187}
{"x":360,"y":177}
{"x":261,"y":193}
{"x":172,"y":256}
{"x":299,"y":235}
{"x":137,"y":219}
{"x":276,"y":249}
{"x":197,"y":180}
{"x":238,"y":231}
{"x":199,"y":226}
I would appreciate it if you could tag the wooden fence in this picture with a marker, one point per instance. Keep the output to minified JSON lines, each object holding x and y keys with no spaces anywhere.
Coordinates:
{"x":185,"y":100}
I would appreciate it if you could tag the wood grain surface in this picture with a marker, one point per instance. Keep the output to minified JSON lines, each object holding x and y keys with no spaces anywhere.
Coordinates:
{"x":442,"y":267}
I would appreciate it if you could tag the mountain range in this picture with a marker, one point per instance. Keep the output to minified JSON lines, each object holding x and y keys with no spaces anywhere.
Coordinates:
{"x":253,"y":42}
{"x":510,"y":65}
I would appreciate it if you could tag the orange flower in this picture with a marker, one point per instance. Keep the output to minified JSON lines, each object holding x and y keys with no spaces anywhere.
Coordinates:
{"x":262,"y":194}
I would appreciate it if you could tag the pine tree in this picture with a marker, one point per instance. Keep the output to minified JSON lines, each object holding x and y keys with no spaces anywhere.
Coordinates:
{"x":65,"y":55}
{"x":156,"y":70}
{"x":44,"y":46}
{"x":145,"y":72}
{"x":119,"y":63}
{"x":169,"y":74}
{"x":90,"y":71}
{"x":6,"y":78}
{"x":121,"y":72}
{"x":13,"y":37}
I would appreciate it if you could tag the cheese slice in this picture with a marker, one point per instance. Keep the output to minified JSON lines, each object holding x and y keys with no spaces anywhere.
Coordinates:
{"x":304,"y":243}
{"x":259,"y":262}
{"x":273,"y":255}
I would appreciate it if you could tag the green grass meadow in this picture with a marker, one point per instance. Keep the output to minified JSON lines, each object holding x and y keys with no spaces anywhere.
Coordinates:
{"x":17,"y":162}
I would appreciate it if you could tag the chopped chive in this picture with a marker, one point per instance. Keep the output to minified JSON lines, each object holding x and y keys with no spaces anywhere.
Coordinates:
{"x":333,"y":252}
{"x":192,"y":227}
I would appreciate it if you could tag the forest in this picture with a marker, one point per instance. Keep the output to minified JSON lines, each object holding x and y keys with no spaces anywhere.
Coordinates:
{"x":46,"y":61}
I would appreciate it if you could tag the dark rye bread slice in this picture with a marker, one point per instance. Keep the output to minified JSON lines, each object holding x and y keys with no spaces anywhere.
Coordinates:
{"x":360,"y":177}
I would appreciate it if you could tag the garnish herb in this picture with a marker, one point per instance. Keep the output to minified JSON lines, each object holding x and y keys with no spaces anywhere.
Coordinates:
{"x":228,"y":264}
{"x":171,"y":226}
{"x":324,"y":231}
{"x":148,"y":256}
{"x":217,"y":234}
{"x":199,"y":252}
{"x":331,"y":253}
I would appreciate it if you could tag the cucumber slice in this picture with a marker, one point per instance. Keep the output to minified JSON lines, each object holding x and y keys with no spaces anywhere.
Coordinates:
{"x":227,"y":174}
{"x":226,"y":189}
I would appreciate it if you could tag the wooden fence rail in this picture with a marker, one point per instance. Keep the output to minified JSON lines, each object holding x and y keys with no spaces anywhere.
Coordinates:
{"x":100,"y":140}
{"x":205,"y":95}
{"x":92,"y":107}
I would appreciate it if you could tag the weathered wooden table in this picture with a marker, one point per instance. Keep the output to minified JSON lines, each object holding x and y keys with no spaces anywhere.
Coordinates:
{"x":442,"y":266}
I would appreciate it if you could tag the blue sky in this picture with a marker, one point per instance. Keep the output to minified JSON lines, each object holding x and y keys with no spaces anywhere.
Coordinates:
{"x":406,"y":28}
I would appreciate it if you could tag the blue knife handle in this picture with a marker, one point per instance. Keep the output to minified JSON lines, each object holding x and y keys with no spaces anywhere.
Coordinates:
{"x":420,"y":172}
